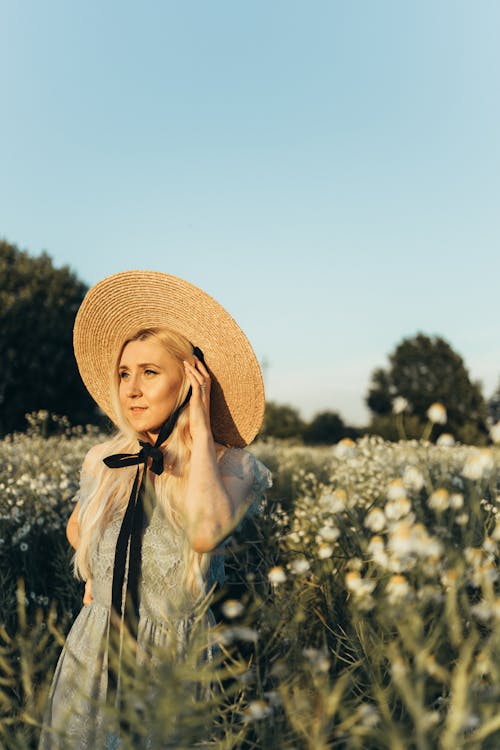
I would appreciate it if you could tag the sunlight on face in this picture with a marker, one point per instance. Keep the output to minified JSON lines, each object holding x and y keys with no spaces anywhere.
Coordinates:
{"x":150,"y":381}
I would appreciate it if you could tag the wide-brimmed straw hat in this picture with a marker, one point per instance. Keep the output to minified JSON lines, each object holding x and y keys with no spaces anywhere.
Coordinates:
{"x":121,"y":304}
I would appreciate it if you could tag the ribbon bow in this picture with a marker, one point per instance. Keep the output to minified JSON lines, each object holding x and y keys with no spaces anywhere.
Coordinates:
{"x":147,"y":452}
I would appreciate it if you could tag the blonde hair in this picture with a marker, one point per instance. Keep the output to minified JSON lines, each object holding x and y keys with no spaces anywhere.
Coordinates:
{"x":106,"y":491}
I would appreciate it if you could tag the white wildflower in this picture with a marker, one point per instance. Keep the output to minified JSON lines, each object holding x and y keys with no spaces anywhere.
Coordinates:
{"x":446,"y":440}
{"x":257,"y":710}
{"x":329,"y":533}
{"x":318,"y":659}
{"x":299,"y":566}
{"x":276,"y":575}
{"x":345,"y":448}
{"x":400,"y":541}
{"x":399,"y":405}
{"x":358,"y":585}
{"x":439,"y":500}
{"x":375,"y":520}
{"x":396,"y":490}
{"x":478,"y":464}
{"x":335,"y":501}
{"x":325,"y":551}
{"x":368,"y":715}
{"x":232,"y":608}
{"x":495,"y":432}
{"x":456,"y":500}
{"x":436,"y":413}
{"x":237,"y":633}
{"x":397,"y":588}
{"x":273,"y":697}
{"x":376,"y":550}
{"x":413,"y":478}
{"x":396,"y":509}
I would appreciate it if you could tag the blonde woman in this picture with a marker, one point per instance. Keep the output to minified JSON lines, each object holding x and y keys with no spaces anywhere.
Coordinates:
{"x":181,"y":382}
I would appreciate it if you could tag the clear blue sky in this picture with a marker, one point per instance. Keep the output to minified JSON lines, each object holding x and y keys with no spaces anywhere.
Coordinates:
{"x":329,"y":171}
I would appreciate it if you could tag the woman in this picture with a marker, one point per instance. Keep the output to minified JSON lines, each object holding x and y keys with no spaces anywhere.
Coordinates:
{"x":179,"y":379}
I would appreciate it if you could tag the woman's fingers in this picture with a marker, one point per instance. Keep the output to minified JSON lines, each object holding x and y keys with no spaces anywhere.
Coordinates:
{"x":198,"y":376}
{"x":199,"y":406}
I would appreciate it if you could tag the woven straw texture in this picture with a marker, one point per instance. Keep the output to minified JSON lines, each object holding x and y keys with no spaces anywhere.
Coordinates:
{"x":120,"y":304}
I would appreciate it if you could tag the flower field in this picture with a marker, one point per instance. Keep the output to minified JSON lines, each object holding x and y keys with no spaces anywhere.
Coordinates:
{"x":362,"y":608}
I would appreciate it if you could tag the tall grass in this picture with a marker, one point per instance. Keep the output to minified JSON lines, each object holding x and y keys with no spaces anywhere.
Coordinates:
{"x":362,"y":608}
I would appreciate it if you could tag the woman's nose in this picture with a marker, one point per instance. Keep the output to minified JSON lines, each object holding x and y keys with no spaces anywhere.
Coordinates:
{"x":133,"y":386}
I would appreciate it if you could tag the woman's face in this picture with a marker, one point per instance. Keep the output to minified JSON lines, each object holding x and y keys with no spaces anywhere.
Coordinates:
{"x":150,"y":380}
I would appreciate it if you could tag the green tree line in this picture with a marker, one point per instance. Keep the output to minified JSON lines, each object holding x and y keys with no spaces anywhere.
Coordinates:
{"x":38,"y":304}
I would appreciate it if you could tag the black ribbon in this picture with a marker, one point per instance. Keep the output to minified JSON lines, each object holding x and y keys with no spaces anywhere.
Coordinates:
{"x":134,"y":520}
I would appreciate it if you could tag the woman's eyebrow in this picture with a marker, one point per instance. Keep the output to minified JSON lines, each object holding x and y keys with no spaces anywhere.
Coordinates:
{"x":140,"y":364}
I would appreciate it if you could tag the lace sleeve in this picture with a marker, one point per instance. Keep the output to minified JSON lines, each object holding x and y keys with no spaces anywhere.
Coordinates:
{"x":238,"y":466}
{"x":88,"y":473}
{"x":247,"y":478}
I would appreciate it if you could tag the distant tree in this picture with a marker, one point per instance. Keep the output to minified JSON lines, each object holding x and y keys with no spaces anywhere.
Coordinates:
{"x":38,"y":304}
{"x":494,"y":406}
{"x":424,"y":370}
{"x":281,"y":421}
{"x":325,"y":428}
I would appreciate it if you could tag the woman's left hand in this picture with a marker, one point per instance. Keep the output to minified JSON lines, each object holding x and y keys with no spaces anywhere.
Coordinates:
{"x":199,"y":404}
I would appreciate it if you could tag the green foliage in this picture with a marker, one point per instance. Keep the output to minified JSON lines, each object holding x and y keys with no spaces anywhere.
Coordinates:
{"x":369,"y":606}
{"x":38,"y":304}
{"x":38,"y":485}
{"x":281,"y":421}
{"x":388,"y":427}
{"x":494,"y":406}
{"x":284,"y":423}
{"x":424,"y":370}
{"x":327,"y":428}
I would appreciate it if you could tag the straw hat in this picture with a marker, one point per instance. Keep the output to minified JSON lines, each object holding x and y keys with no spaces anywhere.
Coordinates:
{"x":120,"y":304}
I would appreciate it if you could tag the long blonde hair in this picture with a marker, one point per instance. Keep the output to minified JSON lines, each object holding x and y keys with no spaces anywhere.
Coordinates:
{"x":105,"y":491}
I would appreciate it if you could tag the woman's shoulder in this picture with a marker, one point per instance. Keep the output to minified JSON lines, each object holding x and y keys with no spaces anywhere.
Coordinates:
{"x":241,"y":463}
{"x":245,"y":477}
{"x":98,"y":452}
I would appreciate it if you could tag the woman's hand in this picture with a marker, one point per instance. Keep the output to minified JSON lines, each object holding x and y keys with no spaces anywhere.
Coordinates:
{"x":199,"y":403}
{"x":87,"y":596}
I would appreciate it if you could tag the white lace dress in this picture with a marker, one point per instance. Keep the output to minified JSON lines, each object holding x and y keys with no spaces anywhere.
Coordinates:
{"x":73,"y":719}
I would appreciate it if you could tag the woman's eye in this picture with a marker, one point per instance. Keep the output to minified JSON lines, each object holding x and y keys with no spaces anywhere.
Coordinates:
{"x":122,"y":375}
{"x":150,"y":372}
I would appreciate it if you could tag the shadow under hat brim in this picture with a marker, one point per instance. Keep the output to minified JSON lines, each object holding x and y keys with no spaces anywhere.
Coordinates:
{"x":120,"y":304}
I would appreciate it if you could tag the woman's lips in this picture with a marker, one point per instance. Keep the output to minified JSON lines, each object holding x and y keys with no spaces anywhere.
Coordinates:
{"x":138,"y":409}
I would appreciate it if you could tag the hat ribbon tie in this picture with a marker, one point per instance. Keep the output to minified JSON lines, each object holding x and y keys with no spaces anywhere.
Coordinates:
{"x":147,"y":452}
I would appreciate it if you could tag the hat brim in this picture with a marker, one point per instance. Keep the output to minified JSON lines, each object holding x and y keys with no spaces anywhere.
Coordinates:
{"x":127,"y":301}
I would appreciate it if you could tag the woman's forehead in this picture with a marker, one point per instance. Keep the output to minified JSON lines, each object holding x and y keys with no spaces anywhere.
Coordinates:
{"x":147,"y":351}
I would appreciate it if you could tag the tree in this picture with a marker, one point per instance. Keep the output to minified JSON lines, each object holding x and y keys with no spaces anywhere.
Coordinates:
{"x":424,"y":370}
{"x":38,"y":304}
{"x":494,"y":406}
{"x":325,"y":428}
{"x":281,"y":421}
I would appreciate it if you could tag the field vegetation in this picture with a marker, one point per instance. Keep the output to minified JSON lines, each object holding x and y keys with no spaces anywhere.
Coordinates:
{"x":362,"y":608}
